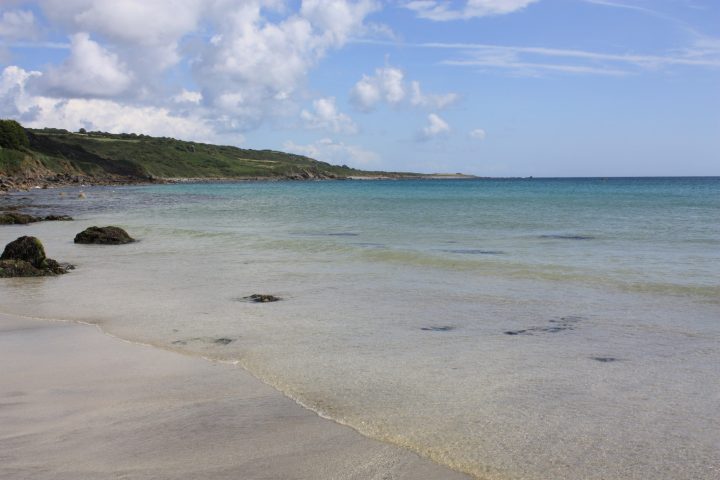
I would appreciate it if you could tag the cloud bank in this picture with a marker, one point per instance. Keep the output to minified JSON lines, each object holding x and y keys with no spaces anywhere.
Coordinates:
{"x":248,"y":60}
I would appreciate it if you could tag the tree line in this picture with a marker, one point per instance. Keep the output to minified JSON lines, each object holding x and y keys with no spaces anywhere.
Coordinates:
{"x":13,"y":135}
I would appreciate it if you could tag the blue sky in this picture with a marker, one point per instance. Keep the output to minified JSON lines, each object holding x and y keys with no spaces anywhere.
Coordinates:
{"x":488,"y":87}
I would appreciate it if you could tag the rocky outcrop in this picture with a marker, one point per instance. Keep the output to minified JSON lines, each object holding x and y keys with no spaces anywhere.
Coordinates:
{"x":25,"y":257}
{"x":28,"y":180}
{"x":103,"y":236}
{"x":16,"y":218}
{"x":56,"y":218}
{"x":311,"y":174}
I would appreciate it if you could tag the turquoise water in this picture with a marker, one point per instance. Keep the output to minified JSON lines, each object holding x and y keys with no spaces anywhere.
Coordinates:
{"x":535,"y":328}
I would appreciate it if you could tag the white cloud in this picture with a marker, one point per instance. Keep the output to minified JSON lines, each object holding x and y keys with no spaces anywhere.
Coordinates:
{"x":13,"y":97}
{"x":326,"y":116}
{"x":442,"y":10}
{"x":478,"y":134}
{"x":249,"y":59}
{"x":337,"y":19}
{"x":187,"y":96}
{"x":260,"y":65}
{"x":436,"y":126}
{"x":433,"y":101}
{"x":337,"y":153}
{"x":93,"y":114}
{"x":17,"y":25}
{"x":111,"y":116}
{"x":388,"y":85}
{"x":90,"y":71}
{"x":147,"y":32}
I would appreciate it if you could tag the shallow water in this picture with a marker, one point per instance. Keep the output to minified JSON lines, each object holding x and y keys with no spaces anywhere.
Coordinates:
{"x":527,"y":329}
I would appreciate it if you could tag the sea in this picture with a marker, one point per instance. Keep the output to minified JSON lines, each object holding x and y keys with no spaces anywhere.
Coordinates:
{"x":564,"y":328}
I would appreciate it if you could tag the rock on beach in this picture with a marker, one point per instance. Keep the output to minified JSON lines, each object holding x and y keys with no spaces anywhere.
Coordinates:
{"x":25,"y":257}
{"x":103,"y":236}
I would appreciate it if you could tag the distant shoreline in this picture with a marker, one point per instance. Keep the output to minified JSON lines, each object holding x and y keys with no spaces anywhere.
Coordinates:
{"x":24,"y":184}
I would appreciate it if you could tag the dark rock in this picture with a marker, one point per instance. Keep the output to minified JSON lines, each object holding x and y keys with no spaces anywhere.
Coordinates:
{"x":604,"y":359}
{"x":103,"y":236}
{"x":223,"y":341}
{"x":14,"y":218}
{"x":57,"y":267}
{"x":556,"y":325}
{"x":262,"y":298}
{"x":568,"y":237}
{"x":445,"y":328}
{"x":25,"y":257}
{"x":20,"y":268}
{"x":27,"y":249}
{"x":57,"y":218}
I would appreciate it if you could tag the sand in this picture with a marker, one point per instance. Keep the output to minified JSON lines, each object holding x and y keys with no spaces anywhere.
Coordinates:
{"x":78,"y":404}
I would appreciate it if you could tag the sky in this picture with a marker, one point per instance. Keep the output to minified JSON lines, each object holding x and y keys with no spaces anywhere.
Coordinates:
{"x":484,"y":87}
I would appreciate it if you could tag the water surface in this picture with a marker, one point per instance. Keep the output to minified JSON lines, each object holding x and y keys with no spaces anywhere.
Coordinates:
{"x":544,"y":328}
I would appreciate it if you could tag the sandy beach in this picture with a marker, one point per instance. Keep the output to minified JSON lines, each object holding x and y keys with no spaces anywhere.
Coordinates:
{"x":76,"y":403}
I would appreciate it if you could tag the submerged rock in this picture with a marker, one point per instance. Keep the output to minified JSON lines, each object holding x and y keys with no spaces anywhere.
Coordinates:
{"x":25,"y":257}
{"x":474,"y":251}
{"x":20,"y":268}
{"x":262,"y":298}
{"x":57,"y":267}
{"x":14,"y":218}
{"x":568,"y":237}
{"x":604,"y":359}
{"x":556,"y":325}
{"x":57,"y":218}
{"x":104,"y":236}
{"x":434,"y":328}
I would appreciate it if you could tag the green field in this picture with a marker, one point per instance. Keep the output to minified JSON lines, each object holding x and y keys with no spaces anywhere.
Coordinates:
{"x":145,"y":157}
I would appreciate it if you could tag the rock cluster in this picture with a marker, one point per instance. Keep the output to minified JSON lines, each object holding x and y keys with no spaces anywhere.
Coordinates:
{"x":29,"y":180}
{"x":306,"y":174}
{"x":16,"y":218}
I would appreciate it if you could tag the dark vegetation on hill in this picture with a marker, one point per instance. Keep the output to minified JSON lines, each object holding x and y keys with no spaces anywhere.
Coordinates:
{"x":50,"y":156}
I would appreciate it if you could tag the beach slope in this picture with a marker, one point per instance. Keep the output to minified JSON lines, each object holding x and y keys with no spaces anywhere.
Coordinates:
{"x":75,"y":403}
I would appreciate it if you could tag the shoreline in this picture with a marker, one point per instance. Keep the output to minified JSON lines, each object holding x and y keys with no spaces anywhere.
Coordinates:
{"x":10,"y":185}
{"x":79,"y":403}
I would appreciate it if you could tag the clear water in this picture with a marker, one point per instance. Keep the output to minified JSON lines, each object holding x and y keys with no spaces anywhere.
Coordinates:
{"x":534,"y":329}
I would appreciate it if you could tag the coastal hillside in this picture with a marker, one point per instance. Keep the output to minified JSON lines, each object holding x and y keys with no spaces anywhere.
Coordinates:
{"x":56,"y":156}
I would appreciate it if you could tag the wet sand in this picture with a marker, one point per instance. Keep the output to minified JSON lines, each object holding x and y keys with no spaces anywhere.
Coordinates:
{"x":75,"y":403}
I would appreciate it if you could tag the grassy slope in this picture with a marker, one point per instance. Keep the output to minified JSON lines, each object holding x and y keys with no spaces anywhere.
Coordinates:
{"x":143,"y":156}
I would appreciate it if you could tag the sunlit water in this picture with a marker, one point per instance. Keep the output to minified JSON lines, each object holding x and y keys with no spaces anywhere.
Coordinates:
{"x":534,"y":329}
